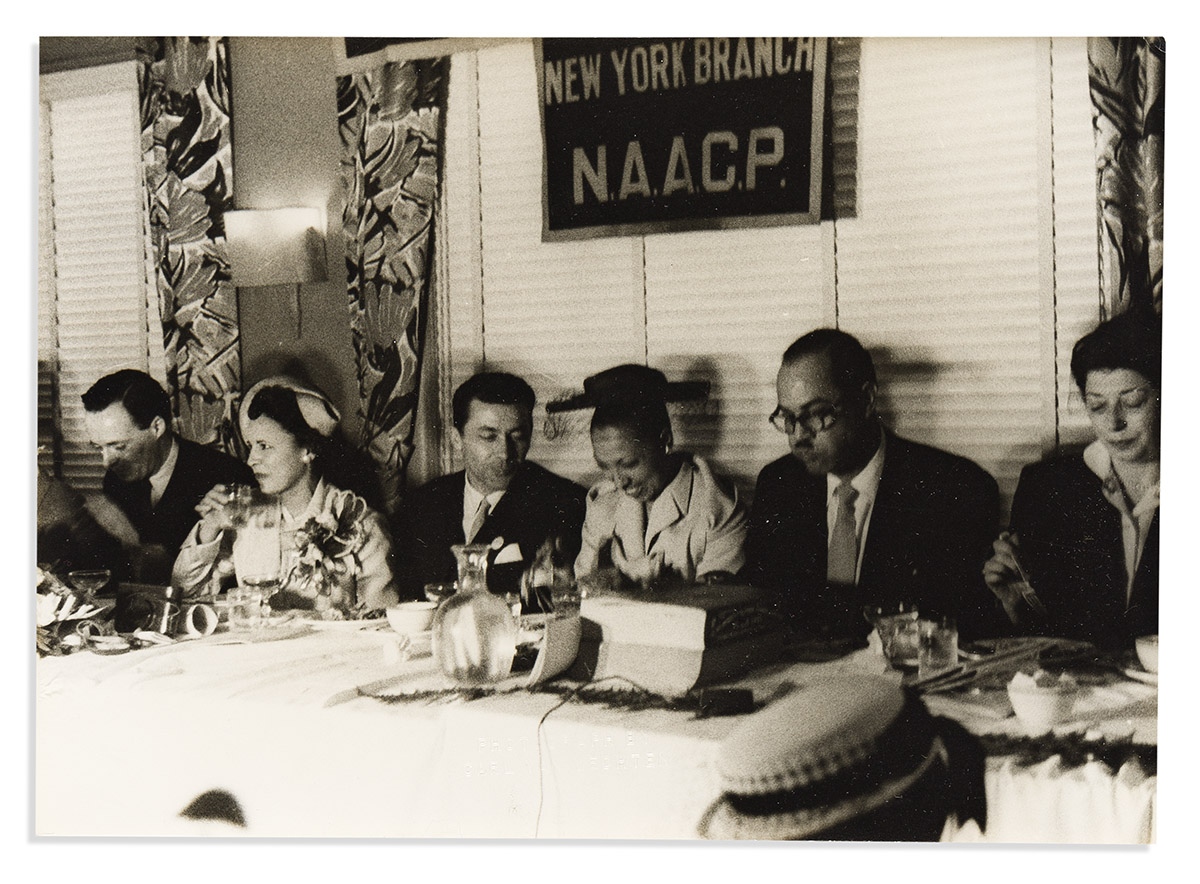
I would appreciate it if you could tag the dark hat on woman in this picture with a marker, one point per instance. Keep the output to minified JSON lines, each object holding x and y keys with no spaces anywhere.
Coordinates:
{"x":845,"y":758}
{"x":632,"y":382}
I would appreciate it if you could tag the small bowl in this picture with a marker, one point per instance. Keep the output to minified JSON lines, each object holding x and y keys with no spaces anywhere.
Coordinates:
{"x":1040,"y":709}
{"x":411,"y":618}
{"x":1147,"y":652}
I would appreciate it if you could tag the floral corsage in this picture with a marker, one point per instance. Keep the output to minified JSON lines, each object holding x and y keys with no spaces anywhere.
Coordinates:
{"x":327,"y":547}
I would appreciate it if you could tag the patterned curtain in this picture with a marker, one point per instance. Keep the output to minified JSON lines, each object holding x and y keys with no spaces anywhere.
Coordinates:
{"x":390,"y":121}
{"x":1127,"y":82}
{"x":184,"y":86}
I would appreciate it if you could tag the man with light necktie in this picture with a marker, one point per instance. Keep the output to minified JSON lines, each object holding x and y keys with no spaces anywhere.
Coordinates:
{"x":497,"y":495}
{"x":856,"y":515}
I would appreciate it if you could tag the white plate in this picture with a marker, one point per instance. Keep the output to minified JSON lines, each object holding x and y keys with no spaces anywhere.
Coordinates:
{"x":347,"y":625}
{"x":1143,"y":676}
{"x":224,"y":636}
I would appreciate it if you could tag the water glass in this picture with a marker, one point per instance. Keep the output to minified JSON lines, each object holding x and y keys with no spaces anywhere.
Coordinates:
{"x":246,"y":607}
{"x":439,"y":592}
{"x":896,"y":626}
{"x":902,"y":644}
{"x":937,"y":641}
{"x":513,"y":600}
{"x":565,"y":599}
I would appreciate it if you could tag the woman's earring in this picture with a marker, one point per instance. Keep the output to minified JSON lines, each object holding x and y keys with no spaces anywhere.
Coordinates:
{"x":307,"y":457}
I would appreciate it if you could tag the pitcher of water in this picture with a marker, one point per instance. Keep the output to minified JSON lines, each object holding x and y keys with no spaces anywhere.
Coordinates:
{"x":474,"y":633}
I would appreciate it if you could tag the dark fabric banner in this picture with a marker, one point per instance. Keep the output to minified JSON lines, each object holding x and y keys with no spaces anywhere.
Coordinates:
{"x":649,"y":135}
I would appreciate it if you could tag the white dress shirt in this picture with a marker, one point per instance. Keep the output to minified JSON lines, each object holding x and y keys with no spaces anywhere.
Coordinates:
{"x":1135,"y":521}
{"x":162,"y":476}
{"x":866,"y":483}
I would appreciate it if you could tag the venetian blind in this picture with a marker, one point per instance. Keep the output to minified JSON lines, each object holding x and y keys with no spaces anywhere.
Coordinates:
{"x":1076,"y":272}
{"x":722,"y":306}
{"x":963,"y":255}
{"x":92,"y":280}
{"x":947,"y":272}
{"x":550,"y":312}
{"x":47,"y":357}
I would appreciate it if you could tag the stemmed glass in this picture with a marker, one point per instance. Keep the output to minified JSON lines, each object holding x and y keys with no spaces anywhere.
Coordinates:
{"x":89,"y":582}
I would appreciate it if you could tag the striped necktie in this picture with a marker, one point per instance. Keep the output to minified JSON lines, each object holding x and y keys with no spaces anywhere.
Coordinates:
{"x":843,"y":540}
{"x":481,"y":515}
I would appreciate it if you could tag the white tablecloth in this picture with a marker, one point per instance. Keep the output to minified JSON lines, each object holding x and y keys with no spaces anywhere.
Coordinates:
{"x":124,"y":743}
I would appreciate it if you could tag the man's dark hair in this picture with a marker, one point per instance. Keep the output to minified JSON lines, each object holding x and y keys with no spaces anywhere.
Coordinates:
{"x":1132,"y":340}
{"x":492,"y":388}
{"x":137,"y":392}
{"x":849,"y":361}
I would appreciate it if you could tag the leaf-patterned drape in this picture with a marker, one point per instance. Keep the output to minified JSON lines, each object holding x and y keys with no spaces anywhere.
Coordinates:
{"x":186,"y":158}
{"x":1127,"y":81}
{"x":390,"y":123}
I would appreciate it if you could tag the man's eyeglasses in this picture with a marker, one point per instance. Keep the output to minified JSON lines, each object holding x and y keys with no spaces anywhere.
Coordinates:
{"x":814,"y":419}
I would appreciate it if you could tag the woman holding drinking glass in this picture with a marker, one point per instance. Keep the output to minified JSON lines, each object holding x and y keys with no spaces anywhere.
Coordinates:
{"x":334,"y":550}
{"x":1080,"y":559}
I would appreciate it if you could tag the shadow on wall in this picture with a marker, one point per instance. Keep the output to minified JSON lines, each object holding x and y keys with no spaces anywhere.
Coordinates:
{"x":895,"y":370}
{"x":698,"y":426}
{"x":311,"y":368}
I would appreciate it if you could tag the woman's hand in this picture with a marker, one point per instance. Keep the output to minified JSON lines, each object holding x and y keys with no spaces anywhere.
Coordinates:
{"x":646,"y":571}
{"x":215,"y":513}
{"x":1002,"y":573}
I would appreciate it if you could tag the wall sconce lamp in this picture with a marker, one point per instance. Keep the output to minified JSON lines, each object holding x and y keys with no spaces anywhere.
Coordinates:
{"x":276,"y":247}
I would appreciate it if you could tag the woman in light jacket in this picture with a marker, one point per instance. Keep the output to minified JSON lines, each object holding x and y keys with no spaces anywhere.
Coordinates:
{"x":335,"y":550}
{"x":660,"y":514}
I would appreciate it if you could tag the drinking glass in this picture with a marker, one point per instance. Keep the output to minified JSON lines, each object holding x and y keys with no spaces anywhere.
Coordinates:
{"x":89,"y":582}
{"x":565,"y":599}
{"x":896,"y":625}
{"x":439,"y":592}
{"x":937,"y":641}
{"x":257,"y":551}
{"x":903,"y":646}
{"x":246,"y":607}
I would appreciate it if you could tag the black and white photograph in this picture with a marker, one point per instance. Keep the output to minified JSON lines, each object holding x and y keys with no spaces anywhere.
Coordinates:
{"x":632,"y":440}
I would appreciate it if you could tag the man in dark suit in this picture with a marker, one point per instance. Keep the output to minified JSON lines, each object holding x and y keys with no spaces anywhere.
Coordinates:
{"x":154,"y":476}
{"x":498,"y":494}
{"x":858,"y":516}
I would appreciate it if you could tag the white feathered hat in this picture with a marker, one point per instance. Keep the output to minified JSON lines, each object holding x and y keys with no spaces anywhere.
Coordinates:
{"x":316,"y":409}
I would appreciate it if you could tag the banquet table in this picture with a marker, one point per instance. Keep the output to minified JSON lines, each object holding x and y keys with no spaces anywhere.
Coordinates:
{"x":291,"y":724}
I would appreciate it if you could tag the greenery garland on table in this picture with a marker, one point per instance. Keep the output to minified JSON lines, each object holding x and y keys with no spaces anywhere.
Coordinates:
{"x":1076,"y":749}
{"x":626,"y":699}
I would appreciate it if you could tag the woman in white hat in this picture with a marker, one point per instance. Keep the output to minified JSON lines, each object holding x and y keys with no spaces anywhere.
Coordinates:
{"x":335,"y":550}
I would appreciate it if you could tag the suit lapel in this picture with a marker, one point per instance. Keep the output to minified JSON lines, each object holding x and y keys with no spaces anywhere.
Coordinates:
{"x":885,"y":513}
{"x":506,"y":510}
{"x":812,"y":526}
{"x":183,"y":467}
{"x":670,"y":507}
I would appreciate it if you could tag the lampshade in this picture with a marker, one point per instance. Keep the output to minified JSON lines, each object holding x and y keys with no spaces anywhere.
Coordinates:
{"x":276,"y":246}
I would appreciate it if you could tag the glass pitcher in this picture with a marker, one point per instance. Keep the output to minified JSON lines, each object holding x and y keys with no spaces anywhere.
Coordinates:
{"x":474,"y":634}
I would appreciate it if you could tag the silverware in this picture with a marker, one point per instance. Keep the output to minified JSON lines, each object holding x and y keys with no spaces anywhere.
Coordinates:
{"x":1026,"y":588}
{"x":966,"y":673}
